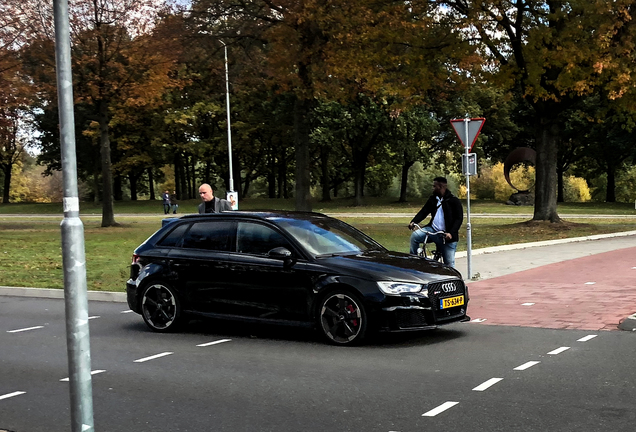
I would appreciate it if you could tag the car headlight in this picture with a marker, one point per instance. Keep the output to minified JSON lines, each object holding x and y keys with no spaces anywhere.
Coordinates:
{"x":393,"y":288}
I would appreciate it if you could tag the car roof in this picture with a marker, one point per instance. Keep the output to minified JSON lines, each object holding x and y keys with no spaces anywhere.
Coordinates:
{"x":261,"y":214}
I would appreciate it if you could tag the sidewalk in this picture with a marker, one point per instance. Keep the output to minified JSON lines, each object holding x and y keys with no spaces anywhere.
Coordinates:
{"x":585,"y":283}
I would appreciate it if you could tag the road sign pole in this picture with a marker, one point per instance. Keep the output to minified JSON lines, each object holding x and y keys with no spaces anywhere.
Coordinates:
{"x":469,"y":239}
{"x":73,"y":258}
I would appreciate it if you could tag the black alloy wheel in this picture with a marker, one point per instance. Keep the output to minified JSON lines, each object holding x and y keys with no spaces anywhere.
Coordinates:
{"x":342,"y":318}
{"x":160,"y":307}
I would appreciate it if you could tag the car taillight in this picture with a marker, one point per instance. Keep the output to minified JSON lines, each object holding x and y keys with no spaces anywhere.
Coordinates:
{"x":135,"y":259}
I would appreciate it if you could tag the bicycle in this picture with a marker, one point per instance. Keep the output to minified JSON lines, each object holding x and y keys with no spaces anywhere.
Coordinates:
{"x":421,"y":251}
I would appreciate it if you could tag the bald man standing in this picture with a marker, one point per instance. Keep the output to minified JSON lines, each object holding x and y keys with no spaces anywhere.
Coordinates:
{"x":211,"y":204}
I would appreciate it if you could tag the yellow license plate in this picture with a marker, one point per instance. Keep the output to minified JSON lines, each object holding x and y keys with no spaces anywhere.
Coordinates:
{"x":450,"y":302}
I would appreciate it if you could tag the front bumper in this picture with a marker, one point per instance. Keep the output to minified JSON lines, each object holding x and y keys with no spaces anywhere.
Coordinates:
{"x":411,"y":312}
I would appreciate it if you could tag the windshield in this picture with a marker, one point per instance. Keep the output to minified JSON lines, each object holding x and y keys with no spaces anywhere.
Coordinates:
{"x":328,"y":237}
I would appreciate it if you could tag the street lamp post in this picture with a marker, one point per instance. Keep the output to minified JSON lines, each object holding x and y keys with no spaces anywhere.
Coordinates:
{"x":230,"y":194}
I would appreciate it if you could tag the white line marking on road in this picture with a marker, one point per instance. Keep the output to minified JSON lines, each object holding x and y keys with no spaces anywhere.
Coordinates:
{"x":527,"y":304}
{"x":590,"y":283}
{"x":558,"y":350}
{"x":92,"y":373}
{"x":527,"y":365}
{"x":214,"y":343}
{"x":491,"y":382}
{"x":633,"y":268}
{"x":163,"y":354}
{"x":7,"y":396}
{"x":443,"y":407}
{"x":478,"y":320}
{"x":94,"y":317}
{"x":126,"y":311}
{"x":586,"y":338}
{"x":24,"y":329}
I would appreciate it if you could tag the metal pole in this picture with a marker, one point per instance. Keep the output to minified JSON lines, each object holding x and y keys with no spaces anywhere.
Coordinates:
{"x":229,"y":130}
{"x":73,"y":258}
{"x":468,"y":232}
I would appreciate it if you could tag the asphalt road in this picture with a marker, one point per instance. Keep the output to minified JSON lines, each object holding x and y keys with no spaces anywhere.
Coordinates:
{"x":219,"y":376}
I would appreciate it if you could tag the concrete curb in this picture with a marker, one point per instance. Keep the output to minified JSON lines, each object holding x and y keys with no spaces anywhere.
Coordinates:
{"x":517,"y":246}
{"x":628,"y":324}
{"x":108,"y":296}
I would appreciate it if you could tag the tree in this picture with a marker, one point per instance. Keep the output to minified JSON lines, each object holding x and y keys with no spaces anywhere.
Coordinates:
{"x":14,"y":102}
{"x":552,"y":53}
{"x":116,"y":59}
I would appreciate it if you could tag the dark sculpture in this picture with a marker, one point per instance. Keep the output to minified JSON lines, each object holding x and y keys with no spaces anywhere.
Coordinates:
{"x":518,"y":155}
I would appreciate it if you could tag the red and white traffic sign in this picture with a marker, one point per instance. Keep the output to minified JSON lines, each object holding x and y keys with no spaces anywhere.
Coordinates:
{"x":473,"y":129}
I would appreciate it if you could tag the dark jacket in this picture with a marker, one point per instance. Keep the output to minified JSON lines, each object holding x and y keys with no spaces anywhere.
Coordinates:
{"x":453,"y":213}
{"x":219,"y":205}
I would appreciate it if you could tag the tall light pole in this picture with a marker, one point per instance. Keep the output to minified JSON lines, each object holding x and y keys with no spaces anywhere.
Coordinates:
{"x":230,"y":195}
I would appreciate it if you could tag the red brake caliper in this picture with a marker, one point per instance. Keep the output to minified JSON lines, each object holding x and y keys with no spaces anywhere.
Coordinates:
{"x":352,"y":310}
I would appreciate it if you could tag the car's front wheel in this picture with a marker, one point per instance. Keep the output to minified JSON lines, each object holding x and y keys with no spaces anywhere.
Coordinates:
{"x":160,"y":307}
{"x":342,"y":318}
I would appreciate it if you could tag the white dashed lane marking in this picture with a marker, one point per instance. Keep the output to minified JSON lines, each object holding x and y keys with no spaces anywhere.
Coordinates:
{"x":590,"y":283}
{"x":92,"y":373}
{"x":558,"y":350}
{"x":527,"y":304}
{"x":214,"y":343}
{"x":24,"y":329}
{"x":163,"y":354}
{"x":443,"y":407}
{"x":586,"y":338}
{"x":485,"y":385}
{"x":126,"y":311}
{"x":526,"y":365}
{"x":9,"y":395}
{"x":478,"y":320}
{"x":94,"y":317}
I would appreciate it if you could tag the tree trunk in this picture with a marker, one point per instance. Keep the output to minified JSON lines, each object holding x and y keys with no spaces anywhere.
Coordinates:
{"x":7,"y":183}
{"x":610,"y":193}
{"x":118,"y":194}
{"x":560,"y":186}
{"x":405,"y":177}
{"x":132,"y":179}
{"x":271,"y":174}
{"x":545,"y":203}
{"x":96,"y":187}
{"x":151,"y":184}
{"x":108,"y":213}
{"x":324,"y":178}
{"x":301,"y":138}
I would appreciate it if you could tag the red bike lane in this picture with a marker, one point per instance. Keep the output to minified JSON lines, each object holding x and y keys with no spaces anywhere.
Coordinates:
{"x":591,"y":293}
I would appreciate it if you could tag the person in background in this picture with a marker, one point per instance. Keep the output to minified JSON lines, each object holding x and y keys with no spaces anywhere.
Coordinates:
{"x":165,"y":196}
{"x":211,"y":204}
{"x":447,"y":215}
{"x":174,"y":204}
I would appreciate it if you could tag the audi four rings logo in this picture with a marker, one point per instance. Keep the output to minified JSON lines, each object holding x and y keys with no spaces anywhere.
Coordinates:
{"x":448,"y":287}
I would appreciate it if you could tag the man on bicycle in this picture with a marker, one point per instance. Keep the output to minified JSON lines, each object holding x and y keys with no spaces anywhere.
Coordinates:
{"x":447,"y":215}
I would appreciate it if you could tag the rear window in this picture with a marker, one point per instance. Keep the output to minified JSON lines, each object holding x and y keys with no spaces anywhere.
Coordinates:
{"x":209,"y":235}
{"x":174,"y":236}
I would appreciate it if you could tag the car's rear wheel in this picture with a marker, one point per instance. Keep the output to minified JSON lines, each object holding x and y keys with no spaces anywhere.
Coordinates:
{"x":160,"y":307}
{"x":342,"y":318}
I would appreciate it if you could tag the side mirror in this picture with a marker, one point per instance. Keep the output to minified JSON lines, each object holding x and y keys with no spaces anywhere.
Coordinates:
{"x":282,"y":253}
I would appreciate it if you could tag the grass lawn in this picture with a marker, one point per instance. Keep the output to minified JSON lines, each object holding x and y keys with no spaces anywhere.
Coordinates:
{"x":30,"y":252}
{"x":340,"y":205}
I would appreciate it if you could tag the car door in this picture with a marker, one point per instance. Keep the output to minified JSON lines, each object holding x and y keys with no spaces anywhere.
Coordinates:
{"x":202,"y":266}
{"x":267,"y":287}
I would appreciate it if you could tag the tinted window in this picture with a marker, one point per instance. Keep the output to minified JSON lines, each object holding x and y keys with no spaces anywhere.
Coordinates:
{"x":258,"y":239}
{"x":173,"y":238}
{"x":209,"y":235}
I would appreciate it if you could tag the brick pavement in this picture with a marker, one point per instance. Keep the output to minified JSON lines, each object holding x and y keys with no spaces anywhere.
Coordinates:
{"x":590,"y":293}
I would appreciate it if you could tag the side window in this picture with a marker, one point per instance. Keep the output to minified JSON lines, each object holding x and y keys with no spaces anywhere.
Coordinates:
{"x":209,"y":235}
{"x":173,"y":237}
{"x":257,"y":239}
